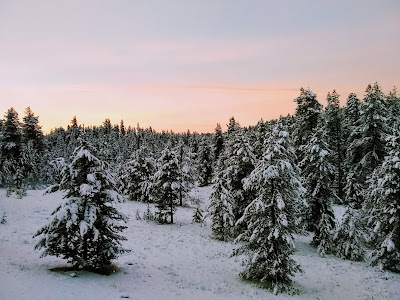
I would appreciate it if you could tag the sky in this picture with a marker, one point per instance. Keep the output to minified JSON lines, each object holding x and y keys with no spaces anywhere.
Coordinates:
{"x":186,"y":64}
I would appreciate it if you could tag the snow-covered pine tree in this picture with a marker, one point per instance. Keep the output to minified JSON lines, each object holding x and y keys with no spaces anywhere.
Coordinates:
{"x":198,"y":215}
{"x":382,"y":209}
{"x":166,"y":185}
{"x":136,"y":175}
{"x":353,"y":195}
{"x":187,"y":171}
{"x":218,"y":142}
{"x":86,"y":228}
{"x":260,"y":133}
{"x":318,"y":173}
{"x":31,"y":130}
{"x":371,"y":132}
{"x":221,"y":206}
{"x":393,"y":104}
{"x":349,"y":236}
{"x":204,"y":165}
{"x":273,"y":216}
{"x":12,"y":164}
{"x":334,"y":133}
{"x":307,"y":118}
{"x":239,"y":163}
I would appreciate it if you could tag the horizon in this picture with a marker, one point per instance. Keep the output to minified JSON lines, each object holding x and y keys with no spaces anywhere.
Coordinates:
{"x":188,"y":66}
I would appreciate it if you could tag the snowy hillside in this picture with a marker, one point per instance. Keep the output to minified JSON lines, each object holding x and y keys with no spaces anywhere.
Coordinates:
{"x":178,"y":261}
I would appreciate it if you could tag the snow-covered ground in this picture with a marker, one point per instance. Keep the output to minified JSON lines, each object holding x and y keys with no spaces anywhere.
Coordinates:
{"x":178,"y":261}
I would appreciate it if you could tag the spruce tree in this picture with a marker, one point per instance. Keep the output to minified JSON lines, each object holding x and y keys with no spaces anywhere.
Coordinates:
{"x":166,"y":185}
{"x":318,"y":173}
{"x":86,"y":228}
{"x":273,"y":215}
{"x":382,"y":209}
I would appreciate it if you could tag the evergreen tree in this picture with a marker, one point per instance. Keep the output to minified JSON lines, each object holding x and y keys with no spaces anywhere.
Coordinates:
{"x":32,"y":148}
{"x":261,"y":131}
{"x":372,"y":132}
{"x":166,"y":185}
{"x":349,"y":237}
{"x":204,"y":165}
{"x":239,"y":161}
{"x":273,"y":216}
{"x":32,"y":131}
{"x":12,"y":164}
{"x":353,"y":195}
{"x":122,"y":128}
{"x":136,"y":177}
{"x":186,"y":168}
{"x":221,"y":206}
{"x":233,"y":126}
{"x":198,"y":215}
{"x":382,"y":209}
{"x":218,"y":142}
{"x":334,"y":135}
{"x":307,"y":118}
{"x":85,"y":229}
{"x":318,"y":173}
{"x":393,"y":104}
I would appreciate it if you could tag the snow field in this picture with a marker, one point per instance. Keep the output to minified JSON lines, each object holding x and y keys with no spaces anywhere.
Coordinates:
{"x":178,"y":261}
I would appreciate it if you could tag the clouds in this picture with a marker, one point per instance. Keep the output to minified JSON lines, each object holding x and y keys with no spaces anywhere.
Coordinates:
{"x":167,"y":52}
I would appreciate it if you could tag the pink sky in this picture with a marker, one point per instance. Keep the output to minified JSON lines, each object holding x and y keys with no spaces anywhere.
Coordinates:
{"x":179,"y":65}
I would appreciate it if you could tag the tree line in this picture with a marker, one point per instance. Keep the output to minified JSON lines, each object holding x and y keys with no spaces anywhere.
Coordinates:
{"x":270,"y":181}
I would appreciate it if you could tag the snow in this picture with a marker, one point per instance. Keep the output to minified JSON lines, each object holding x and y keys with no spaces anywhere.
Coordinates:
{"x":178,"y":261}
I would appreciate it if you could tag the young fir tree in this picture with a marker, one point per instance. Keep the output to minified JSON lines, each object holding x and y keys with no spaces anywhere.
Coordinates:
{"x":136,"y":177}
{"x":221,"y":205}
{"x":349,"y":236}
{"x":198,"y":215}
{"x":86,"y":228}
{"x":166,"y":185}
{"x":318,"y":173}
{"x":273,"y":216}
{"x":382,"y":209}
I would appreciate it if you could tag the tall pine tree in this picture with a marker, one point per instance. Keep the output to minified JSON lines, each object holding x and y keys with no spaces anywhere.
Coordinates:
{"x":273,"y":216}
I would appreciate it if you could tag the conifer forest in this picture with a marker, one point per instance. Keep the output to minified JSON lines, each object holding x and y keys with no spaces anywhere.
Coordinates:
{"x":270,"y":203}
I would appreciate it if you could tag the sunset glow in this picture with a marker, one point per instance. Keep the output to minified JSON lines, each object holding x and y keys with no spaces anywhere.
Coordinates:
{"x":179,"y":65}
